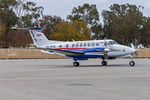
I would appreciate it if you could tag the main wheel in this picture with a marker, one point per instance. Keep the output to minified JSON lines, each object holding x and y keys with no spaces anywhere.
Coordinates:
{"x":76,"y":64}
{"x":131,"y":63}
{"x":104,"y":63}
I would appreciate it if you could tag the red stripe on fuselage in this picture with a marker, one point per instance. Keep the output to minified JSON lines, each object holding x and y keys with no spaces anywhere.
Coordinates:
{"x":70,"y":48}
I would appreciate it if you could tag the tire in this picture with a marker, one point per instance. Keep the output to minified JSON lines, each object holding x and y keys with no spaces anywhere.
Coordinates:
{"x":104,"y":63}
{"x":76,"y":64}
{"x":131,"y":63}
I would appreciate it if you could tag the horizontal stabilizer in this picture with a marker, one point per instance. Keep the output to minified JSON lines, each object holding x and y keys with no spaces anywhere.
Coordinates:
{"x":39,"y":28}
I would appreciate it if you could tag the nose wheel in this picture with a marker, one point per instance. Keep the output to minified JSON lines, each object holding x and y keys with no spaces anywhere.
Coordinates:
{"x":131,"y":63}
{"x":76,"y":64}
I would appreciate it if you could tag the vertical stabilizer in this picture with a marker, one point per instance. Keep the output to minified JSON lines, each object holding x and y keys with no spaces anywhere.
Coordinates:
{"x":38,"y":37}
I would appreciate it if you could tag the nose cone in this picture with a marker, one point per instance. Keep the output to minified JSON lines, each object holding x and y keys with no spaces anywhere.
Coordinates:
{"x":132,"y":50}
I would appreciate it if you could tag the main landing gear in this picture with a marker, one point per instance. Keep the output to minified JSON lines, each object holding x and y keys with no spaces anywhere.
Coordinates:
{"x":104,"y":63}
{"x":76,"y":64}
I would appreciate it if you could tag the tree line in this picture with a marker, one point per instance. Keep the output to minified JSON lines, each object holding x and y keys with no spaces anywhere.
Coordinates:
{"x":124,"y":23}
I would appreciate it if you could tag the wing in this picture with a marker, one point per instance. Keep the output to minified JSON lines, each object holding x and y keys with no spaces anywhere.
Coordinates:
{"x":73,"y":52}
{"x":65,"y":52}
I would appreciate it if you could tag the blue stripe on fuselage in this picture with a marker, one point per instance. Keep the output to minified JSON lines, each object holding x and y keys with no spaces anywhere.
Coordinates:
{"x":86,"y":56}
{"x":88,"y":50}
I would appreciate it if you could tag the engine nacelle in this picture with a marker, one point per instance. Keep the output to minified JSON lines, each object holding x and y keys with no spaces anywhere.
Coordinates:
{"x":80,"y":58}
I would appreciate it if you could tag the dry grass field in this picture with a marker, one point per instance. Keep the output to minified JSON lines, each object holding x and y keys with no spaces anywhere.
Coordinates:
{"x":25,"y":54}
{"x":143,"y":53}
{"x":36,"y":54}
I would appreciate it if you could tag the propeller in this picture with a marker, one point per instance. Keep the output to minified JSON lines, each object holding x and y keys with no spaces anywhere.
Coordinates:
{"x":136,"y":53}
{"x":106,"y":49}
{"x":132,"y":46}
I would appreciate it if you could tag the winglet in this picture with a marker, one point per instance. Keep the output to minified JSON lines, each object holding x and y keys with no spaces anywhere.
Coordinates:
{"x":38,"y":28}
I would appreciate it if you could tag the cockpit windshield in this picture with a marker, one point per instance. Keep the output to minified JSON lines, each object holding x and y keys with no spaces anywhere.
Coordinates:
{"x":113,"y":42}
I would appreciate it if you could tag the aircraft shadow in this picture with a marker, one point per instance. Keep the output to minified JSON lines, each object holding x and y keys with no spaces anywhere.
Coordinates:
{"x":119,"y":65}
{"x":71,"y":66}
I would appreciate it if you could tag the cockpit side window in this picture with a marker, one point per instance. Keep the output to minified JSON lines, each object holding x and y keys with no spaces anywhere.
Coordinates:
{"x":113,"y":42}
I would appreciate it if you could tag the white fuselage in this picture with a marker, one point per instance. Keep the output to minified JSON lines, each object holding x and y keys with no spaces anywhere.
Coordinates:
{"x":116,"y":50}
{"x":81,"y":50}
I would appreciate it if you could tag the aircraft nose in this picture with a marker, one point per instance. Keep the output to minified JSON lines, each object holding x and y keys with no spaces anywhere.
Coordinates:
{"x":132,"y":50}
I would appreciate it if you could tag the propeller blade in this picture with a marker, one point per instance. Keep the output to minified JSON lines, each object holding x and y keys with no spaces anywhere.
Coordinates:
{"x":136,"y":53}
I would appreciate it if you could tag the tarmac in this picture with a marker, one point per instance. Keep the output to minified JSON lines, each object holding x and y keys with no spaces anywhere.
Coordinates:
{"x":57,"y":79}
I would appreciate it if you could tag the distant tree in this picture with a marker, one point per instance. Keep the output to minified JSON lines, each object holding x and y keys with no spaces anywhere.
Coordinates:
{"x":123,"y":23}
{"x":145,"y":32}
{"x":28,"y":13}
{"x":7,"y":14}
{"x":89,"y":14}
{"x":19,"y":38}
{"x":20,"y":13}
{"x":2,"y":31}
{"x":48,"y":23}
{"x":66,"y":31}
{"x":8,"y":18}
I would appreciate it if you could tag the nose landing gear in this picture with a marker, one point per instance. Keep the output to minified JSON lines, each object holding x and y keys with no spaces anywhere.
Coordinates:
{"x":131,"y":63}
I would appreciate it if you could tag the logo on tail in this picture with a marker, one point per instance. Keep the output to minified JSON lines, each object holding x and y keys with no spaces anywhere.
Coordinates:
{"x":38,"y":37}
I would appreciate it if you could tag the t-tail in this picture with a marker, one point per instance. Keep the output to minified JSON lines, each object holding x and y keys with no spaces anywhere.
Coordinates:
{"x":38,"y":37}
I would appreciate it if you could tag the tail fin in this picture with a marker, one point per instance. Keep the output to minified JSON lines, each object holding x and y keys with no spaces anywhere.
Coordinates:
{"x":38,"y":36}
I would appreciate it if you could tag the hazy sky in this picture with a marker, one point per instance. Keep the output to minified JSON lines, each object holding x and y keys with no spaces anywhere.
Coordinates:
{"x":64,"y":7}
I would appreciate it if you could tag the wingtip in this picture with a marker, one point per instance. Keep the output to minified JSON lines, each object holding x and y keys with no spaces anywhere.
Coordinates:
{"x":38,"y":28}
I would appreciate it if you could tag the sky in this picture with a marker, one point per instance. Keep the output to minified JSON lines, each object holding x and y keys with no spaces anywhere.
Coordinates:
{"x":64,"y":7}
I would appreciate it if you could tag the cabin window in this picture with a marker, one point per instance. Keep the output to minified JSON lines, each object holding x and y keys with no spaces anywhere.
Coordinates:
{"x":89,"y":44}
{"x":97,"y":44}
{"x":60,"y":46}
{"x":73,"y":45}
{"x":84,"y":44}
{"x":80,"y":44}
{"x":93,"y":44}
{"x":101,"y":43}
{"x":77,"y":44}
{"x":67,"y":45}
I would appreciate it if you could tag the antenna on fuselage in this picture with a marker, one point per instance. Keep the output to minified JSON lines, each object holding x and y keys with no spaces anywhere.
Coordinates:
{"x":73,"y":40}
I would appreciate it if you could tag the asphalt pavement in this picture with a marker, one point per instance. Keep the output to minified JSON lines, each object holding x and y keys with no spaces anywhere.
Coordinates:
{"x":57,"y":79}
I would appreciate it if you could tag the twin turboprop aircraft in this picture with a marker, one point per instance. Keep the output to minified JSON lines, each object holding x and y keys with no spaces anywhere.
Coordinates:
{"x":82,"y":50}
